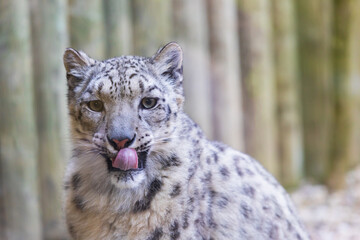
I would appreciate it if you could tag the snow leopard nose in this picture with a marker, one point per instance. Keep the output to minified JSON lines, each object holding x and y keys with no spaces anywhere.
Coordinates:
{"x":121,"y":142}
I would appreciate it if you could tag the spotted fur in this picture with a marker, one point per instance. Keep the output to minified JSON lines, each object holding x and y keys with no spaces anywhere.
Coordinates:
{"x":189,"y":187}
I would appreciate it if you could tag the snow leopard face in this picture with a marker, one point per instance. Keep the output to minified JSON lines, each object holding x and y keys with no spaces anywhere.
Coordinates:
{"x":123,"y":113}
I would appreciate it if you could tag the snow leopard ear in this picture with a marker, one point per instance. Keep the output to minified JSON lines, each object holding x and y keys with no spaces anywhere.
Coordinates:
{"x":168,"y":62}
{"x":75,"y":63}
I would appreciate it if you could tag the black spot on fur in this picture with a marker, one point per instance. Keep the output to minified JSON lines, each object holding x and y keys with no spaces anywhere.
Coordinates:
{"x":239,"y":171}
{"x":168,"y":113}
{"x":220,"y":146}
{"x":210,"y":217}
{"x":190,"y":203}
{"x":176,"y":190}
{"x":185,"y":219}
{"x":156,"y":234}
{"x":274,"y":232}
{"x":206,"y":179}
{"x":79,"y":203}
{"x":248,"y":191}
{"x":289,"y":226}
{"x":245,"y":210}
{"x":132,"y":75}
{"x":141,"y":86}
{"x":172,"y":161}
{"x":298,"y":237}
{"x":143,"y":77}
{"x":155,"y":186}
{"x":101,"y":85}
{"x":223,"y":202}
{"x":215,"y":156}
{"x":249,"y":172}
{"x":141,"y":205}
{"x":199,"y":222}
{"x":71,"y":230}
{"x":212,"y":194}
{"x":224,"y":172}
{"x":144,"y":204}
{"x":90,"y":91}
{"x":192,"y":171}
{"x":174,"y":230}
{"x":153,"y":88}
{"x":75,"y":181}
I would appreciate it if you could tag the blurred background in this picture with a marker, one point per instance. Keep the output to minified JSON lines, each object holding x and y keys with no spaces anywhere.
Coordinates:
{"x":277,"y":79}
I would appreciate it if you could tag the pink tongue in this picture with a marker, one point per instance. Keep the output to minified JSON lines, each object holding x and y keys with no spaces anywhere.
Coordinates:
{"x":126,"y":159}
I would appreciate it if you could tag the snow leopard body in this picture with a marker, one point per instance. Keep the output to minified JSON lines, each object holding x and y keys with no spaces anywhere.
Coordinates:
{"x":184,"y":186}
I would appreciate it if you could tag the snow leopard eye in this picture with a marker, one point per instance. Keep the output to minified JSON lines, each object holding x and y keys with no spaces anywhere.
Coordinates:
{"x":96,"y":105}
{"x":148,"y":103}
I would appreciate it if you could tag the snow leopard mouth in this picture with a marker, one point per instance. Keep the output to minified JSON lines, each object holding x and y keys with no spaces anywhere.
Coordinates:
{"x":142,"y":157}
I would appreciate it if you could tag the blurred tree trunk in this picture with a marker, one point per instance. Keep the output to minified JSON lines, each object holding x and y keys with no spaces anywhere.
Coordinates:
{"x":190,"y":22}
{"x":87,"y":27}
{"x":258,"y":82}
{"x":225,"y":73}
{"x":49,"y":42}
{"x":152,"y":25}
{"x":288,"y":109}
{"x":19,"y":209}
{"x":342,"y":122}
{"x":118,"y":28}
{"x":314,"y":28}
{"x":354,"y":69}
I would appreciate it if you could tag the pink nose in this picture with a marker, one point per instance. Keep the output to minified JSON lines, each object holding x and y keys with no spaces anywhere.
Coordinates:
{"x":121,"y":144}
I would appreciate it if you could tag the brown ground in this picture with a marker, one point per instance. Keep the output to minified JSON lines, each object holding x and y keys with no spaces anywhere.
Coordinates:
{"x":330,"y":216}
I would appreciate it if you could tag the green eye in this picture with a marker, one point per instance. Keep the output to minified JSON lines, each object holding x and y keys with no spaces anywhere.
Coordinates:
{"x":96,"y":106}
{"x":148,"y":103}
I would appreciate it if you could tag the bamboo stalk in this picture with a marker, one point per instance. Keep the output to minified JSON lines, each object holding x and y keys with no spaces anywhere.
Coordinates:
{"x":288,"y":100}
{"x":49,"y":32}
{"x":314,"y":29}
{"x":86,"y":23}
{"x":258,"y":82}
{"x":118,"y":28}
{"x":190,"y":22}
{"x":19,"y":208}
{"x":225,"y":73}
{"x":152,"y":25}
{"x":342,"y":122}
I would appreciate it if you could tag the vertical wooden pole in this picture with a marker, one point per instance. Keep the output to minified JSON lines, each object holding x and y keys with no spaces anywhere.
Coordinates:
{"x":49,"y":32}
{"x":190,"y":22}
{"x":225,"y":71}
{"x":354,"y":75}
{"x":118,"y":28}
{"x":86,"y":24}
{"x":152,"y":25}
{"x":290,"y":143}
{"x":258,"y":82}
{"x":342,"y":122}
{"x":19,"y":208}
{"x":314,"y":29}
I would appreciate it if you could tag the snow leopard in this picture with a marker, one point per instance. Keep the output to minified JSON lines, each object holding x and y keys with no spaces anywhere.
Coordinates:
{"x":142,"y":169}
